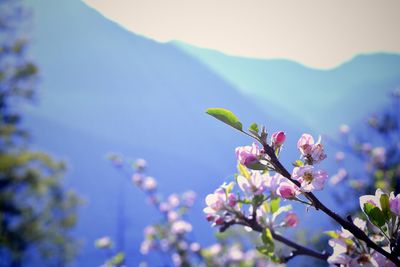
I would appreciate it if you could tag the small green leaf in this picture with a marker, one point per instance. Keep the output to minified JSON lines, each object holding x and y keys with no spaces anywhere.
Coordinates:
{"x":229,"y":187}
{"x":254,"y":128}
{"x":263,"y":250}
{"x":332,"y":234}
{"x":348,"y":241}
{"x":225,"y":116}
{"x":275,"y":204}
{"x":243,"y":170}
{"x":245,"y":201}
{"x":298,"y":163}
{"x":257,"y":167}
{"x":385,"y":206}
{"x":374,"y":214}
{"x":267,"y":240}
{"x":118,"y":259}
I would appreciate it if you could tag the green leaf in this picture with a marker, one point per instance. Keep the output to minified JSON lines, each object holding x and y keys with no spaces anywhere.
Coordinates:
{"x":254,"y":128}
{"x":245,"y":201}
{"x":298,"y":163}
{"x":275,"y":204}
{"x":374,"y":214}
{"x":348,"y":241}
{"x":267,"y":240}
{"x":225,"y":116}
{"x":257,"y":167}
{"x":263,"y":250}
{"x":332,"y":234}
{"x":118,"y":259}
{"x":243,"y":170}
{"x":385,"y":206}
{"x":229,"y":187}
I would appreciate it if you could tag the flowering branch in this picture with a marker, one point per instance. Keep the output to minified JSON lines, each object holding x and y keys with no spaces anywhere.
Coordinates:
{"x":352,"y":245}
{"x":347,"y":224}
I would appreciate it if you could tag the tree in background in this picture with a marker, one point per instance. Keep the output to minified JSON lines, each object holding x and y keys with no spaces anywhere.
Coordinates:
{"x":376,"y":147}
{"x":36,"y":212}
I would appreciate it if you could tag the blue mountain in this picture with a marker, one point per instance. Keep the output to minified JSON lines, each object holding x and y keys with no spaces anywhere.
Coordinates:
{"x":104,"y":89}
{"x":322,"y":98}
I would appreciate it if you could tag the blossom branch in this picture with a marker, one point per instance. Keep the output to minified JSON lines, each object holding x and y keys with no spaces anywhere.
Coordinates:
{"x":358,"y":233}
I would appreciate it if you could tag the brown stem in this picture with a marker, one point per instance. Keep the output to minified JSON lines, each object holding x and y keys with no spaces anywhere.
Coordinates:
{"x":299,"y":249}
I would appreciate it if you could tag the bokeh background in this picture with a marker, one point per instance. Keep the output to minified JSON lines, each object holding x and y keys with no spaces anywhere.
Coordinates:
{"x":104,"y":88}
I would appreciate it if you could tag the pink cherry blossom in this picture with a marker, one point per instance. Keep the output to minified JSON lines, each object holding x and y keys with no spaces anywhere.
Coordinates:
{"x":273,"y":182}
{"x":137,"y":178}
{"x":338,"y":177}
{"x":378,"y":155}
{"x":318,"y":153}
{"x":140,"y":164}
{"x":188,"y":198}
{"x":311,"y":151}
{"x":395,"y":203}
{"x":181,"y":227}
{"x":305,"y":144}
{"x":339,"y":255}
{"x":149,"y":184}
{"x":248,"y":155}
{"x":173,"y":200}
{"x":217,"y":204}
{"x":291,"y":219}
{"x":255,"y":185}
{"x":278,"y":138}
{"x":309,"y":178}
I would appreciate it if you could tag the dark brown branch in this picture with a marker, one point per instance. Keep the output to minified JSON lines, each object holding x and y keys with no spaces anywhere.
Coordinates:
{"x":299,"y":249}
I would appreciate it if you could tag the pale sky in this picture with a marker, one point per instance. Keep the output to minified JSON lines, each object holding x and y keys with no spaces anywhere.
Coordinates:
{"x":316,"y":33}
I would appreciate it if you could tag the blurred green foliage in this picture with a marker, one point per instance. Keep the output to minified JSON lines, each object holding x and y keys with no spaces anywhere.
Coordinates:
{"x":36,"y":212}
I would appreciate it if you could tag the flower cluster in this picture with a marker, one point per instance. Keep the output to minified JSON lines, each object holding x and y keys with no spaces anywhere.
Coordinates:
{"x":171,"y":236}
{"x":257,"y":200}
{"x":383,"y":214}
{"x":305,"y":173}
{"x":263,"y":181}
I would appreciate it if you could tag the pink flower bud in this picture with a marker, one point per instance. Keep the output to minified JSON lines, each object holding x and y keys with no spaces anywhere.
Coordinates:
{"x":278,"y":138}
{"x":149,"y":184}
{"x":231,"y":200}
{"x":137,"y":179}
{"x":287,"y":190}
{"x":210,"y":217}
{"x":219,"y":221}
{"x":248,"y":155}
{"x":291,"y":219}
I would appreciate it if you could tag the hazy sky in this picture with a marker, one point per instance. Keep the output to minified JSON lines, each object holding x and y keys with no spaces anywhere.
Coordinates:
{"x":317,"y":33}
